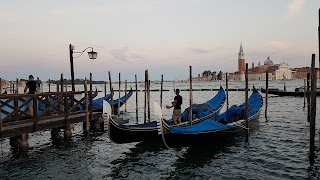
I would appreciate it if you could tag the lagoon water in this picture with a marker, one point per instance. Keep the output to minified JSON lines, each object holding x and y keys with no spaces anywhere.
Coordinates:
{"x":278,"y":147}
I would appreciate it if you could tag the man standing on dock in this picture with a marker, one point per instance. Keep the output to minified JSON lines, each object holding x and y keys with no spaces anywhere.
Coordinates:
{"x":32,"y":85}
{"x":176,"y":116}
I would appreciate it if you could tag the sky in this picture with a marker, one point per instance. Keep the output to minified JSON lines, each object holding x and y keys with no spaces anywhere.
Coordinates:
{"x":165,"y":37}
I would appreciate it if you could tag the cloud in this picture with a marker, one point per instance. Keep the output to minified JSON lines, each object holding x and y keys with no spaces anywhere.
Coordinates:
{"x":120,"y":54}
{"x":199,"y":51}
{"x":279,"y":45}
{"x":136,"y":56}
{"x":294,"y":7}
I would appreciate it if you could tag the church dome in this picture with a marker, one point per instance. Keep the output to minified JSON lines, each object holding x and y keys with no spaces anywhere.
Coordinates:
{"x":268,"y":62}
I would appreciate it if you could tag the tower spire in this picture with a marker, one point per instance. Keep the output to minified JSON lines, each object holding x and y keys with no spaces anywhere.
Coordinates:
{"x":241,"y":48}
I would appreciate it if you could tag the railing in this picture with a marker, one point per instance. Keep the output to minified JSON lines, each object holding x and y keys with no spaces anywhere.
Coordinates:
{"x":14,"y":107}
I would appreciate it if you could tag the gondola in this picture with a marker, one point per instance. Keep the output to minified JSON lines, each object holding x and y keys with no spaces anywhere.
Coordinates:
{"x":149,"y":131}
{"x":299,"y":92}
{"x":214,"y":129}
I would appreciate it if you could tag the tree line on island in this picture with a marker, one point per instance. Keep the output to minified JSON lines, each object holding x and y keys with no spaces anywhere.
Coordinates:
{"x":213,"y":74}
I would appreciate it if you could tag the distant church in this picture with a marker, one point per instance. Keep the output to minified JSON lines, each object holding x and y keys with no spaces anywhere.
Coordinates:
{"x":276,"y":71}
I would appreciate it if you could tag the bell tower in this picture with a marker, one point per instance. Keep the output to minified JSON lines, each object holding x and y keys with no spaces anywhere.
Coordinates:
{"x":241,"y":62}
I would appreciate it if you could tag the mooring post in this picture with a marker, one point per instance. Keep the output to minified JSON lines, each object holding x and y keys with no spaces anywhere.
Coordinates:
{"x":125,"y":91}
{"x":111,"y":90}
{"x":190,"y":95}
{"x":136,"y":98}
{"x":61,"y":83}
{"x":14,"y":141}
{"x":105,"y":91}
{"x":12,"y":90}
{"x":304,"y":93}
{"x":308,"y":95}
{"x":86,"y":108}
{"x":149,"y":100}
{"x":284,"y":84}
{"x":161,"y":89}
{"x":24,"y":143}
{"x":313,"y":109}
{"x":91,"y":98}
{"x":247,"y":105}
{"x":145,"y":96}
{"x":49,"y":85}
{"x":227,"y":90}
{"x":267,"y":93}
{"x":0,"y":86}
{"x":17,"y":89}
{"x":119,"y":95}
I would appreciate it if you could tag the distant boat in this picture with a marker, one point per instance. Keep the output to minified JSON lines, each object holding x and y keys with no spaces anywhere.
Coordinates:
{"x":214,"y":129}
{"x":299,"y":92}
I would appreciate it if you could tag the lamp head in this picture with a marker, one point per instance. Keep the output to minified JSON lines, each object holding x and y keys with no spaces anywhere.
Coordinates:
{"x":92,"y":54}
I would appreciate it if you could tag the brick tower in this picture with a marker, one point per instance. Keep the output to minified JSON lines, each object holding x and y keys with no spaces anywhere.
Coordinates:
{"x":241,"y":62}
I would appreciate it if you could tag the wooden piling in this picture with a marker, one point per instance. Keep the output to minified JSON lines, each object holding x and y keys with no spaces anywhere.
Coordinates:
{"x":125,"y":91}
{"x":61,"y":82}
{"x":12,"y":90}
{"x":17,"y":88}
{"x":190,"y":96}
{"x":313,"y":108}
{"x":149,"y":116}
{"x":119,"y":95}
{"x":267,"y":92}
{"x":227,"y":90}
{"x":304,"y":93}
{"x":145,"y":96}
{"x":91,"y":98}
{"x":0,"y":86}
{"x":161,"y":89}
{"x":49,"y":85}
{"x":136,"y":98}
{"x":105,"y":91}
{"x":111,"y":90}
{"x":247,"y":105}
{"x":308,"y":95}
{"x":284,"y":84}
{"x":86,"y":107}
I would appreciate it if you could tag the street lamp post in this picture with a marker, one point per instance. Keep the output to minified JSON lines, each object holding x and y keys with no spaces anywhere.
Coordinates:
{"x":92,"y":55}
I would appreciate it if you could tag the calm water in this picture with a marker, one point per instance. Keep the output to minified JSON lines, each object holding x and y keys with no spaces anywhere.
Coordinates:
{"x":278,"y":147}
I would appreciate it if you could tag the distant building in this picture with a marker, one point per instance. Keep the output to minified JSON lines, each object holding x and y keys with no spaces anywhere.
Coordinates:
{"x":301,"y":73}
{"x":276,"y":71}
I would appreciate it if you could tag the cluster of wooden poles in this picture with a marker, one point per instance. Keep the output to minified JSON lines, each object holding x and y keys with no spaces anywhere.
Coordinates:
{"x":147,"y":115}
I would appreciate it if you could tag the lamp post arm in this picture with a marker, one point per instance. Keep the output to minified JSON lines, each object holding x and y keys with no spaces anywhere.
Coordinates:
{"x":82,"y":51}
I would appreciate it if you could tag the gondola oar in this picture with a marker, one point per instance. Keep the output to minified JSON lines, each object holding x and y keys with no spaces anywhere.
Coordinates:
{"x":158,"y":112}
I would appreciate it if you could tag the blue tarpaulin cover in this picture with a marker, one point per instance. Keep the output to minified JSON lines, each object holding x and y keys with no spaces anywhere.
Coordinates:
{"x":207,"y":125}
{"x":201,"y":110}
{"x":235,"y":112}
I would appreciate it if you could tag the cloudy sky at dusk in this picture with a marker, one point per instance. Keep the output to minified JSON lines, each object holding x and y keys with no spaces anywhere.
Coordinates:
{"x":163,"y":36}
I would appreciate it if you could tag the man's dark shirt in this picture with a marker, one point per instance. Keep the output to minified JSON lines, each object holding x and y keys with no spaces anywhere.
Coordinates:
{"x":32,"y":85}
{"x":179,"y":102}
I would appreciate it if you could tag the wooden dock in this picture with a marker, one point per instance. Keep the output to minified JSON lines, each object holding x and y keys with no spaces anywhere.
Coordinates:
{"x":56,"y":110}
